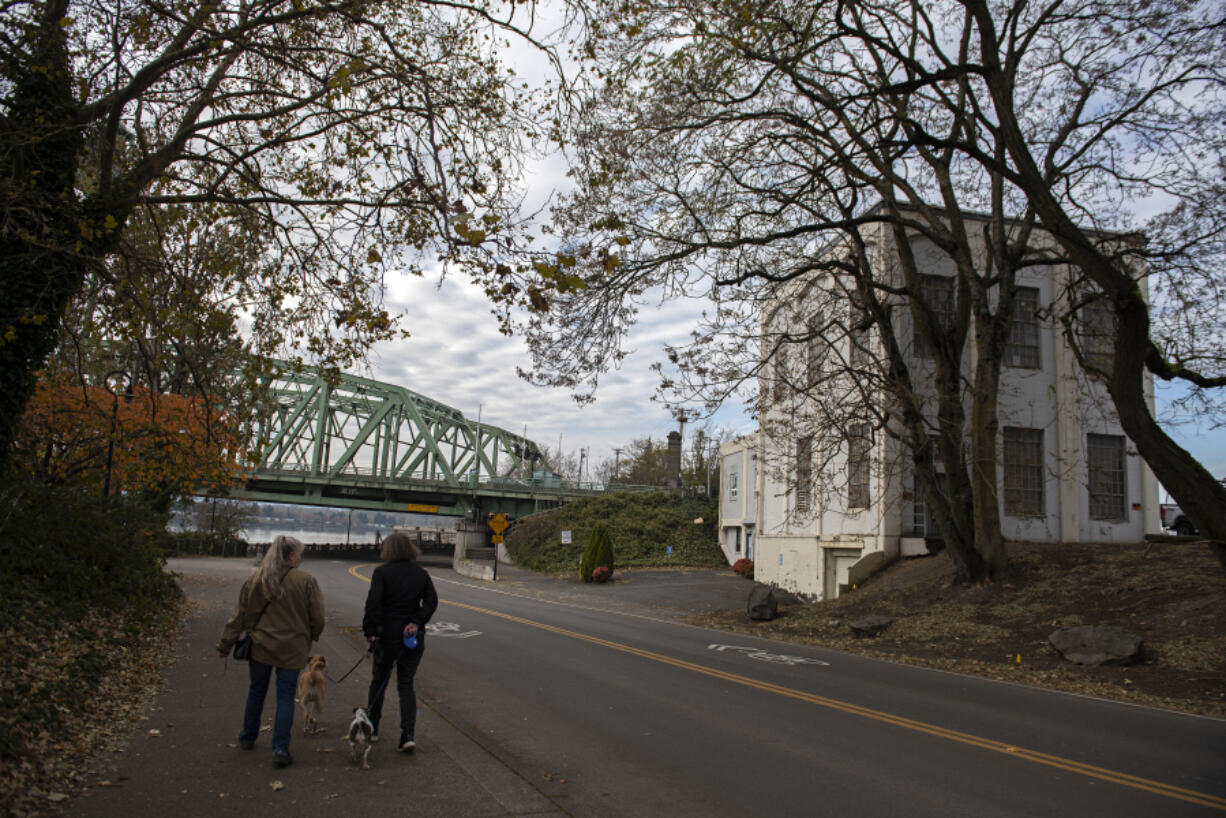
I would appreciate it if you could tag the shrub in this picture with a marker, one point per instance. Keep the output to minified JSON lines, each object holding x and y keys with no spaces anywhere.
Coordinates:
{"x":599,"y":553}
{"x":601,"y":573}
{"x":82,"y":591}
{"x":78,"y":550}
{"x":744,"y":567}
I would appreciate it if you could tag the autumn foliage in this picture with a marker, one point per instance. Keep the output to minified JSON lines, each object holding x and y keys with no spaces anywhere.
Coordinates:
{"x":157,"y":443}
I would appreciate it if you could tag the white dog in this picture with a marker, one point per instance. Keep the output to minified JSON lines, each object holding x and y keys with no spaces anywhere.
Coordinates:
{"x":360,"y":731}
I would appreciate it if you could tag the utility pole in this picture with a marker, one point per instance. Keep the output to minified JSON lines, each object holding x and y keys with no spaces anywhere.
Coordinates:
{"x":681,"y":420}
{"x":617,"y":456}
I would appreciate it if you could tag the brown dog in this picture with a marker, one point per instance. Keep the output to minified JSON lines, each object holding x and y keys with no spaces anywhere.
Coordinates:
{"x":312,"y":683}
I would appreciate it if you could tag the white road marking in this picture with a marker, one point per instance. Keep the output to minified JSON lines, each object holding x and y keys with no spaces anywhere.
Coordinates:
{"x":450,"y":629}
{"x":764,"y":656}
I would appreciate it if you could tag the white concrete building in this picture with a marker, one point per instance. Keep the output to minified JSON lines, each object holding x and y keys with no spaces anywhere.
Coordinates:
{"x":738,"y":497}
{"x":828,"y":514}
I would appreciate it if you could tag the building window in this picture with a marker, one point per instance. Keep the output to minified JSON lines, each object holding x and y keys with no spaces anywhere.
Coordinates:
{"x":859,"y":445}
{"x":732,"y":485}
{"x":1023,"y":348}
{"x":781,"y":372}
{"x":1096,"y":332}
{"x":937,"y":292}
{"x":815,"y":345}
{"x":1105,"y":463}
{"x":1023,"y":461}
{"x":804,"y":473}
{"x":922,"y":524}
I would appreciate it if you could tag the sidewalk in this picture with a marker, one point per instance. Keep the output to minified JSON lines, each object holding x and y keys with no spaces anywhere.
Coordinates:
{"x":184,"y":761}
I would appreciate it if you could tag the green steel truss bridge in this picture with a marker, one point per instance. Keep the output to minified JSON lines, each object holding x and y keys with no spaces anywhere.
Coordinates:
{"x":361,"y":443}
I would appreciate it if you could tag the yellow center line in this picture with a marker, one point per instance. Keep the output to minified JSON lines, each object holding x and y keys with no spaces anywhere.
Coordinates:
{"x":1034,"y":756}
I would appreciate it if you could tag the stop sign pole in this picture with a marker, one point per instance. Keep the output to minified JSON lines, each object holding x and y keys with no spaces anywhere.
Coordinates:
{"x":498,"y":524}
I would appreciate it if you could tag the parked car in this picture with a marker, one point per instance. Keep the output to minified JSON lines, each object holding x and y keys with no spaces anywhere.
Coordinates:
{"x":1174,"y":518}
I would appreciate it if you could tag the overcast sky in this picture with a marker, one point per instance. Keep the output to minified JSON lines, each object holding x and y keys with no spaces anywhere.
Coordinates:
{"x":457,"y":356}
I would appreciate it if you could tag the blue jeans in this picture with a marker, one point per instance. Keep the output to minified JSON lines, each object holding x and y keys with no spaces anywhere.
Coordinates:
{"x":283,"y":724}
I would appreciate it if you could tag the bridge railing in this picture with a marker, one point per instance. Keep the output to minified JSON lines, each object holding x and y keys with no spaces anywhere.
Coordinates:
{"x":548,"y":485}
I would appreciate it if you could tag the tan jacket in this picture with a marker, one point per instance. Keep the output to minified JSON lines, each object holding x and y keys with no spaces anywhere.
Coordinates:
{"x":283,"y":636}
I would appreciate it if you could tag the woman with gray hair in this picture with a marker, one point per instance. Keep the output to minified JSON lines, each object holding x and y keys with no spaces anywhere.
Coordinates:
{"x":400,"y":602}
{"x":283,"y":610}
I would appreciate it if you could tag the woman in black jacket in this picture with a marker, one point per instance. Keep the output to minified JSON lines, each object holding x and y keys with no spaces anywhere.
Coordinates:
{"x":400,"y":603}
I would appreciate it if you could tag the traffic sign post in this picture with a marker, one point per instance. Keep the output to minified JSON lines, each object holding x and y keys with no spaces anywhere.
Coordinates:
{"x":498,"y":523}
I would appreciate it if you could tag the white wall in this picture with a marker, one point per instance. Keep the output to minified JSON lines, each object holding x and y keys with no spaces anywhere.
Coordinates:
{"x":812,"y":553}
{"x":738,"y":498}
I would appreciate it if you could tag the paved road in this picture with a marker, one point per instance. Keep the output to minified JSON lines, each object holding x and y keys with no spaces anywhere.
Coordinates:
{"x":543,"y":698}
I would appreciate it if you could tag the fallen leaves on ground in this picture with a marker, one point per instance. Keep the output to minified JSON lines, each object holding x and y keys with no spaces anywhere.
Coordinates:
{"x":48,"y":677}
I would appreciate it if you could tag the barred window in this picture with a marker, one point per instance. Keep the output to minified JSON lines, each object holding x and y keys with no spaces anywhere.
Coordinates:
{"x":1105,"y":463}
{"x":1023,"y":348}
{"x":859,"y":446}
{"x":781,"y":372}
{"x":815,"y":348}
{"x":938,"y":293}
{"x":1096,"y":332}
{"x":804,"y":473}
{"x":1023,"y":462}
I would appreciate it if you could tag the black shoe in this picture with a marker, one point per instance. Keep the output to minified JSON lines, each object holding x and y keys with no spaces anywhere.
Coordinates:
{"x":246,"y":745}
{"x":282,"y":758}
{"x":407,"y":745}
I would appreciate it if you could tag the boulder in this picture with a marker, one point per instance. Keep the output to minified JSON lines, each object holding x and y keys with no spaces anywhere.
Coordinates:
{"x":1097,"y":645}
{"x":870,"y":625}
{"x":763,"y":606}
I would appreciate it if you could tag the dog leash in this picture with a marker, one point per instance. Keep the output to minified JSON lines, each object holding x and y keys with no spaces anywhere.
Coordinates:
{"x":350,"y":670}
{"x":387,"y":678}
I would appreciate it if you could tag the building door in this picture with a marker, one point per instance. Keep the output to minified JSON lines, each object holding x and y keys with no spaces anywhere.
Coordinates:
{"x":838,"y":563}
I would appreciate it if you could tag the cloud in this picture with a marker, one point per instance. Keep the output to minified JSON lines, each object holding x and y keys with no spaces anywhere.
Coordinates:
{"x":456,"y":355}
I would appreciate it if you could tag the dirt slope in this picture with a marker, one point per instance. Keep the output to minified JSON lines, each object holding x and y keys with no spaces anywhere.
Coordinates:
{"x":1171,"y":594}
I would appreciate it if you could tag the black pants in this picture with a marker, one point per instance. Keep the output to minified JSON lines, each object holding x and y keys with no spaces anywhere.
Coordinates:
{"x":389,"y":655}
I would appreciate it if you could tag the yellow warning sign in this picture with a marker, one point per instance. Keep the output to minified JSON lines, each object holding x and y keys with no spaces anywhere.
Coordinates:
{"x":423,"y":509}
{"x":496,"y":539}
{"x":498,"y":523}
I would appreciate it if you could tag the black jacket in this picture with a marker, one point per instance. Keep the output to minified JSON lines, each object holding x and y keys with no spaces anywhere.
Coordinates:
{"x":400,"y":592}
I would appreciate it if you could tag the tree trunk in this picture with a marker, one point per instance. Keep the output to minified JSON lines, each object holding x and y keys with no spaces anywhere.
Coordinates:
{"x":989,"y":541}
{"x":41,"y":260}
{"x":1201,"y":496}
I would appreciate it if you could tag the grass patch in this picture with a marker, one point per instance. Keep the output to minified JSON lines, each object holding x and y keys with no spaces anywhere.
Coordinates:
{"x":642,"y":526}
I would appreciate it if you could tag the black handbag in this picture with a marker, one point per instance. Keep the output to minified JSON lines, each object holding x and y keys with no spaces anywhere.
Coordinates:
{"x":242,"y":645}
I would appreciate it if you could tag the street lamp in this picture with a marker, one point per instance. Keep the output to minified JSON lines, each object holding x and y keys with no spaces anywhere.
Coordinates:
{"x":114,"y":374}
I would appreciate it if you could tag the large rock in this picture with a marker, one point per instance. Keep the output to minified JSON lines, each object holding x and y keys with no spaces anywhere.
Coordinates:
{"x":763,"y":605}
{"x":1097,"y":645}
{"x":870,"y":625}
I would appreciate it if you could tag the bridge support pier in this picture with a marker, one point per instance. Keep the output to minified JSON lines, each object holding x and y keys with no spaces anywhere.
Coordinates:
{"x":472,"y":537}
